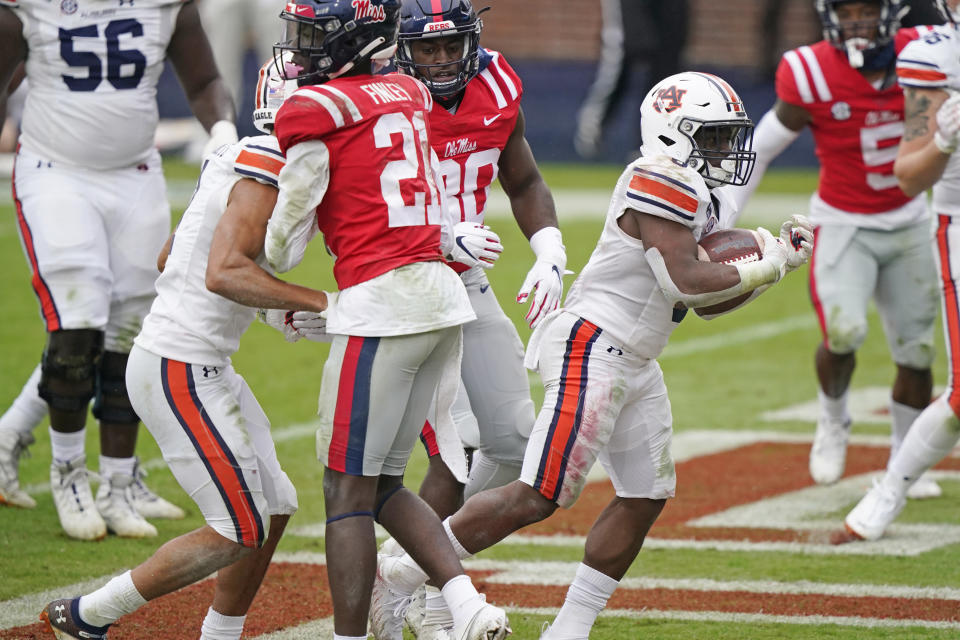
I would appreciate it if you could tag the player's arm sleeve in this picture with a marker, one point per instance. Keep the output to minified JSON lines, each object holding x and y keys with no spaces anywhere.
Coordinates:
{"x":303,"y":183}
{"x":260,"y":159}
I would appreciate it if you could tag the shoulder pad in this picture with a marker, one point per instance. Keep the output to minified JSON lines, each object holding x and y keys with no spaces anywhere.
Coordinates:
{"x":259,"y":158}
{"x":500,"y":78}
{"x":928,"y":62}
{"x":661,"y":187}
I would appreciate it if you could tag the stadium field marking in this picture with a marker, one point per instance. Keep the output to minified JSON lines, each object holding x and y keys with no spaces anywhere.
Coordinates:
{"x":750,"y":618}
{"x":23,"y":611}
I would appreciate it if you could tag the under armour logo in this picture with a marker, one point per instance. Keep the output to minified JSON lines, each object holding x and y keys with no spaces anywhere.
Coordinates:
{"x":208,"y":370}
{"x":129,"y":2}
{"x":60,"y":609}
{"x":612,"y":348}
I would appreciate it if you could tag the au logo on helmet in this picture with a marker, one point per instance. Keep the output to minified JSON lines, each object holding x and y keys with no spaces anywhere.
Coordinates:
{"x":365,"y":9}
{"x":669,"y":100}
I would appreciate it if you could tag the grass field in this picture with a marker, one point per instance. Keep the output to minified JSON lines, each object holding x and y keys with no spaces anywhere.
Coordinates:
{"x":740,"y":553}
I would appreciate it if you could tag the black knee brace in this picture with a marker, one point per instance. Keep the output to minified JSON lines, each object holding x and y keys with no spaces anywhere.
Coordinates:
{"x":69,"y":368}
{"x":112,"y":403}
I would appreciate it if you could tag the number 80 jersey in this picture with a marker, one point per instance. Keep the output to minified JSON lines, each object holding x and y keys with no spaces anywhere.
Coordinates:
{"x":469,"y":141}
{"x":93,"y":67}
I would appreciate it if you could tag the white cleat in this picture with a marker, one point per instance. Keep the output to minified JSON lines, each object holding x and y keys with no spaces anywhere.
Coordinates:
{"x":115,"y":504}
{"x":828,"y":455}
{"x":416,"y":611}
{"x":390,"y":547}
{"x":70,"y":486}
{"x":874,"y":513}
{"x":388,"y":604}
{"x":488,"y":623}
{"x":428,"y":623}
{"x":147,"y":503}
{"x":924,"y":488}
{"x":13,"y":444}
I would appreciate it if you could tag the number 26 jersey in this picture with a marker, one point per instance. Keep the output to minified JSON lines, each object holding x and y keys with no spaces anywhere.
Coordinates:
{"x":93,"y":67}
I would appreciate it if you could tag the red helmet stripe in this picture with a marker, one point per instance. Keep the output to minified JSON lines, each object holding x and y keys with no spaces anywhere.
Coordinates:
{"x":436,"y":8}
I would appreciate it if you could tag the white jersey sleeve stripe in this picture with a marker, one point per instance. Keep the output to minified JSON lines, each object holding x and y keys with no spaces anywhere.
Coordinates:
{"x":661,"y":205}
{"x":799,"y":76}
{"x":488,"y":78}
{"x":327,"y":103}
{"x":920,"y":74}
{"x":512,"y":88}
{"x":346,"y":101}
{"x":819,"y":81}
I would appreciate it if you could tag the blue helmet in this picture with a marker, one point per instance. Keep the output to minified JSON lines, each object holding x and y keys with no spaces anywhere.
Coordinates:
{"x":862,"y":53}
{"x":327,"y":38}
{"x":422,"y":19}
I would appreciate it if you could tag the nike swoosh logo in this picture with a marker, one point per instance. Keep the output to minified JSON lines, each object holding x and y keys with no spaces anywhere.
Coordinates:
{"x":459,"y":240}
{"x":483,"y":289}
{"x":488,"y":121}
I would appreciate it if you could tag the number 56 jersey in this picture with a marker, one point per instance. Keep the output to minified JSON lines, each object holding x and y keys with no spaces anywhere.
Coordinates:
{"x":93,"y":67}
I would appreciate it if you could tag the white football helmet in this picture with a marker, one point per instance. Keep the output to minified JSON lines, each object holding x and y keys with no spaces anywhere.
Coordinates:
{"x":272,"y":90}
{"x":699,"y":120}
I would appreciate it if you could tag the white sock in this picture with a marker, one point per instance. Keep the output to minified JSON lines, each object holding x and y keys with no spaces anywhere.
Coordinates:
{"x":901,"y":417}
{"x":462,"y":553}
{"x":217,"y":626}
{"x":67,"y":446}
{"x":462,"y":598}
{"x":337,"y":636}
{"x":110,"y":467}
{"x":436,"y":609}
{"x":114,"y":599}
{"x":27,"y":410}
{"x":586,"y":598}
{"x":931,"y":438}
{"x":834,"y":409}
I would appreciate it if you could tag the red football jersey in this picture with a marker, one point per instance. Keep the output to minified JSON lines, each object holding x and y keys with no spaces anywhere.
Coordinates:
{"x":381,"y":209}
{"x":468,"y":142}
{"x":856,"y":127}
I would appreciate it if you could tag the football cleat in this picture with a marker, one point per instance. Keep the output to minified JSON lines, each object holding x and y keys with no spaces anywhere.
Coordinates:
{"x":488,"y":623}
{"x":924,"y":488}
{"x":147,"y":503}
{"x":63,"y":619}
{"x":13,"y":444}
{"x":874,"y":513}
{"x":388,"y":604}
{"x":828,"y":455}
{"x":428,"y":623}
{"x":115,"y":504}
{"x":70,"y":486}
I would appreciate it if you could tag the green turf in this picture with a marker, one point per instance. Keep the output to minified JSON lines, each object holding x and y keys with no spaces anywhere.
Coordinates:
{"x":727,"y":389}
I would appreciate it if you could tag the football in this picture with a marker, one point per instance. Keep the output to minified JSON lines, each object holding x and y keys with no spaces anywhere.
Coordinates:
{"x":729,"y":246}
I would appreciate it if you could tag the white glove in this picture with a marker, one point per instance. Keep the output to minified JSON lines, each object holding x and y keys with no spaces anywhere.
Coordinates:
{"x":546,"y":276}
{"x":311,"y":325}
{"x":775,"y":253}
{"x":475,"y":244}
{"x":797,"y":236}
{"x":281,"y":320}
{"x":948,"y":125}
{"x":223,"y":132}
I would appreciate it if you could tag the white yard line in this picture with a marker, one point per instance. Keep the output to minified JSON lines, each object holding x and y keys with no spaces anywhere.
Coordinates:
{"x":24,"y":610}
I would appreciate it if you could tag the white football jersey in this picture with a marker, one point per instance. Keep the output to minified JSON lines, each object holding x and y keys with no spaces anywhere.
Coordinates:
{"x":617,"y":290}
{"x":187,"y":322}
{"x":933,"y":62}
{"x":93,"y":67}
